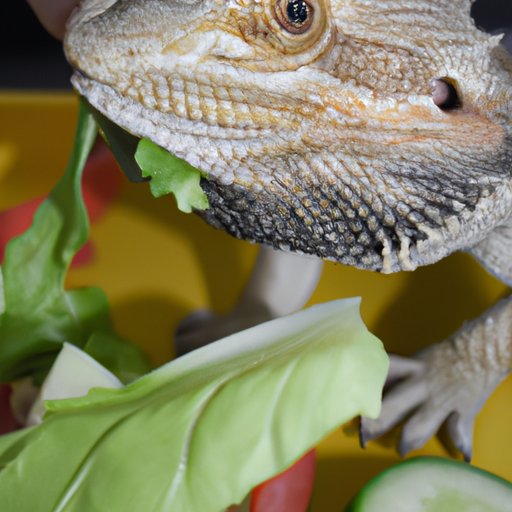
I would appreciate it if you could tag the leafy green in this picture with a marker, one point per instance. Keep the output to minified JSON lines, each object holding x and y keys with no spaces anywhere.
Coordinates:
{"x":122,"y":144}
{"x":197,"y":434}
{"x":38,"y":315}
{"x":171,"y":175}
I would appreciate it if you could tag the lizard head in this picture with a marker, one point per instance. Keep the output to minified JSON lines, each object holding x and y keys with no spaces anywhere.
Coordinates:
{"x":377,"y":134}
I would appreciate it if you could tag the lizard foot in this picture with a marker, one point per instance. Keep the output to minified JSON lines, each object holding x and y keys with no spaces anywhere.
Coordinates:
{"x":204,"y":326}
{"x":280,"y":284}
{"x":441,"y":386}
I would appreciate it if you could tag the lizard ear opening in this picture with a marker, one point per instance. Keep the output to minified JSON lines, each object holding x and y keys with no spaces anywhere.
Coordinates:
{"x":445,"y":94}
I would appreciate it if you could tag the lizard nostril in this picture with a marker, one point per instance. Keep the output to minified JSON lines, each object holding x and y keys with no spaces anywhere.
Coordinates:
{"x":444,"y":94}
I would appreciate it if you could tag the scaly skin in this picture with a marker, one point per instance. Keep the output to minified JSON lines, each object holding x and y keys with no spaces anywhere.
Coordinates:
{"x":326,"y":138}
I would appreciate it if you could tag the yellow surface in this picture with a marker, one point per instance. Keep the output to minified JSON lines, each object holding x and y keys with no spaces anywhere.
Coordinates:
{"x":157,"y":264}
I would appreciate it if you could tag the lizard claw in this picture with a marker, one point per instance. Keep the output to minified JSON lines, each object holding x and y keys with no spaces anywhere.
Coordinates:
{"x":460,"y":431}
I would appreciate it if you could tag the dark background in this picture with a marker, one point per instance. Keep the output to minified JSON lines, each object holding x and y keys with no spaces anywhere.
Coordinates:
{"x":30,"y":58}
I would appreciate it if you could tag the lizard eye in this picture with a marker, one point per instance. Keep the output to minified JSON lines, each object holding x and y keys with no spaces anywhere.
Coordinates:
{"x":295,"y":16}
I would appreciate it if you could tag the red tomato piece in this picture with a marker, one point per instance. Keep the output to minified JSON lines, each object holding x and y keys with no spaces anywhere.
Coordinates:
{"x":289,"y":491}
{"x":15,"y":221}
{"x":84,"y":256}
{"x":7,"y":421}
{"x":102,"y":181}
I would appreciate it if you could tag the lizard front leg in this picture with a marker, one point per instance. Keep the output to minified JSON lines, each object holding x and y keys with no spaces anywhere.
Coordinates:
{"x":280,"y":283}
{"x":450,"y":381}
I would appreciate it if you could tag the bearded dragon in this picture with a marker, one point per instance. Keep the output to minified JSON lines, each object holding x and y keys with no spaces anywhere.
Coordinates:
{"x":377,"y":134}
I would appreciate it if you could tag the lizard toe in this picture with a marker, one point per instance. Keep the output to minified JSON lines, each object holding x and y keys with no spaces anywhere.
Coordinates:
{"x":420,"y":427}
{"x":195,"y":330}
{"x":402,"y":367}
{"x":460,"y":431}
{"x":397,"y":404}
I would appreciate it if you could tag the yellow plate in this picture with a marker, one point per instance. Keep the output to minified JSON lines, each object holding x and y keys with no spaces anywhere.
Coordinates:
{"x":157,"y":264}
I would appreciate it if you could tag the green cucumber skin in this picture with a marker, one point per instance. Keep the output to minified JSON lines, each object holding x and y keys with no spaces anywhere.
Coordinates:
{"x":358,"y":503}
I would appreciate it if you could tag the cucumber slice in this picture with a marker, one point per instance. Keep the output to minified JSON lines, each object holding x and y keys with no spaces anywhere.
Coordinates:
{"x":434,"y":484}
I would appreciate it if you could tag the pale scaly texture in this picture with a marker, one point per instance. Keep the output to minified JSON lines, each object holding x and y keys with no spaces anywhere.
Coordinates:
{"x":326,"y":142}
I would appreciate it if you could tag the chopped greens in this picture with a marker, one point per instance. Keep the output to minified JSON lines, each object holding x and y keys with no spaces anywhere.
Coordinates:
{"x":197,"y":434}
{"x":171,"y":175}
{"x":36,"y":314}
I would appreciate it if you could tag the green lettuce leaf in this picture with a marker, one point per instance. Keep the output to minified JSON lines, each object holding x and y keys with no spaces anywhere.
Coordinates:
{"x":36,"y":314}
{"x":197,"y":434}
{"x":171,"y":175}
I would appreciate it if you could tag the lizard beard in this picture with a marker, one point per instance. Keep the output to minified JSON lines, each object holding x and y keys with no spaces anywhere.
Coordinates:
{"x":388,"y":217}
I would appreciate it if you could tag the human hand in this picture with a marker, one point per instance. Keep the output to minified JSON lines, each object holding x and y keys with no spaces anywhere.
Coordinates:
{"x":53,"y":14}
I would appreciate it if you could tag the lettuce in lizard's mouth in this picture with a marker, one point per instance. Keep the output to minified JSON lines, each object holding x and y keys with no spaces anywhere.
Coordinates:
{"x":142,"y":159}
{"x":171,"y":175}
